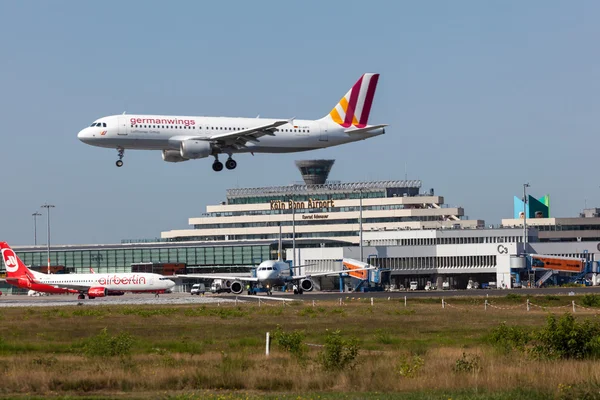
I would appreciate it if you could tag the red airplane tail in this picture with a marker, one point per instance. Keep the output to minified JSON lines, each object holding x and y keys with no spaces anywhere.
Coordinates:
{"x":14,"y":266}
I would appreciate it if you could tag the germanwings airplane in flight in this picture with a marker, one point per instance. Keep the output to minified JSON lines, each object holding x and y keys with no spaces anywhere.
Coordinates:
{"x":187,"y":138}
{"x":92,"y":285}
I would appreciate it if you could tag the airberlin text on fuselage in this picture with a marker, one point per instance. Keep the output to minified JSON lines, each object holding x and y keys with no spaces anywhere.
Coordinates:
{"x":166,"y":121}
{"x":115,"y":280}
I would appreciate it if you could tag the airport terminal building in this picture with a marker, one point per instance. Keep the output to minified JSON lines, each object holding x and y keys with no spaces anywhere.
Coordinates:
{"x":411,"y":233}
{"x":319,"y":210}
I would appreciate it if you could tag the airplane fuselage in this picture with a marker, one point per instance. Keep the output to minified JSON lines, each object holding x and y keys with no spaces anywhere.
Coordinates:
{"x":160,"y":132}
{"x":272,"y":273}
{"x":121,"y":282}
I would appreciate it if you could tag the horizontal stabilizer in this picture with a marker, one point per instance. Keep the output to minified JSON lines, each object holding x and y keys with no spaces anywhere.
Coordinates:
{"x":365,"y":129}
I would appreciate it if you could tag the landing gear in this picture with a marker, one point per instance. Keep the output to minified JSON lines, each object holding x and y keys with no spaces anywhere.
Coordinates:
{"x":230,"y":163}
{"x":121,"y":152}
{"x":156,"y":295}
{"x":217,"y":165}
{"x":81,"y":297}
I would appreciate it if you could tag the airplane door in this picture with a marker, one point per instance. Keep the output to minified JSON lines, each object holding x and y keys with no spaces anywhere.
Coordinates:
{"x":323,"y":136}
{"x":123,"y":127}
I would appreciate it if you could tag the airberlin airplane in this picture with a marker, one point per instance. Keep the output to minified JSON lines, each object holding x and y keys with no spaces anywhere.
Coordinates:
{"x":187,"y":138}
{"x":93,"y":285}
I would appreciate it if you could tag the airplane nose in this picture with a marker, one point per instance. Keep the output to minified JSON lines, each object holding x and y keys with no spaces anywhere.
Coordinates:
{"x":87,"y":135}
{"x":82,"y":135}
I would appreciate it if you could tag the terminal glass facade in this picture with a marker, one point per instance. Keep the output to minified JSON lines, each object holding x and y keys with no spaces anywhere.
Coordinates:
{"x":120,"y":259}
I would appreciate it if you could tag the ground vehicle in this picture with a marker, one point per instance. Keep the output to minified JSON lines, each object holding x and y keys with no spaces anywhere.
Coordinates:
{"x":472,"y":284}
{"x":413,"y":285}
{"x":198,"y":289}
{"x":221,"y":286}
{"x":446,"y":285}
{"x":430,"y":286}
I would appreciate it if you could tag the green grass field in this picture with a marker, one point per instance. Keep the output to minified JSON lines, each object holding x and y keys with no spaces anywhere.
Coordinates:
{"x":421,"y":351}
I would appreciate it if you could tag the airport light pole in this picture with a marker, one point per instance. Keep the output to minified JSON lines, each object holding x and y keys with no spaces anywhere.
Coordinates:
{"x":294,"y":230}
{"x":48,"y":207}
{"x":525,"y":186}
{"x":360,"y":224}
{"x":35,"y":215}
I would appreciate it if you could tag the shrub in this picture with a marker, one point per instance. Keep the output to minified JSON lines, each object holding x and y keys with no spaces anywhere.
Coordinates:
{"x":291,"y":342}
{"x":339,"y":353}
{"x":467,"y":363}
{"x":105,"y":345}
{"x":385,"y":337}
{"x":567,"y":338}
{"x":45,"y":361}
{"x":591,"y":300}
{"x":409,"y":367}
{"x":509,"y":338}
{"x":514,"y":297}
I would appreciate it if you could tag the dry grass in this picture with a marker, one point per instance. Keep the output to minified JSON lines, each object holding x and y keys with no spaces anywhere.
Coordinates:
{"x":184,"y":349}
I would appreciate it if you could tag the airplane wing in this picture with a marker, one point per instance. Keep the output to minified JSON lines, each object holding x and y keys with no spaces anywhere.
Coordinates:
{"x":233,"y":278}
{"x":344,"y":271}
{"x":238,"y":139}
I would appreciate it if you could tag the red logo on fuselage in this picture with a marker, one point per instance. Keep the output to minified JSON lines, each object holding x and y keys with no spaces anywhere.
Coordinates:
{"x":124,"y":280}
{"x":10,"y":260}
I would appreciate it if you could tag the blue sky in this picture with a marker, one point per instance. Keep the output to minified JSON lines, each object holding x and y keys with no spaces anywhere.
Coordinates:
{"x":480,"y":97}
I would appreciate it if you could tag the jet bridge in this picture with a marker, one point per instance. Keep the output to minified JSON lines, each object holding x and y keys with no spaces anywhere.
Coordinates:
{"x":553,"y":265}
{"x":365,"y":281}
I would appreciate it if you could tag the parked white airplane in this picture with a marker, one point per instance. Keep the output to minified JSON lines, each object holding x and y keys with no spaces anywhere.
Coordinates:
{"x":278,"y":273}
{"x":93,"y":285}
{"x":186,"y":138}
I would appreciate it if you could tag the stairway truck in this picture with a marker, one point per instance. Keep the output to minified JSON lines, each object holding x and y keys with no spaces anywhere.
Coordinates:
{"x":221,"y":286}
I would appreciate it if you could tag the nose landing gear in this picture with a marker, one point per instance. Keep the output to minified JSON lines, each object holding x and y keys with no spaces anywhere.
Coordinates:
{"x":121,"y":152}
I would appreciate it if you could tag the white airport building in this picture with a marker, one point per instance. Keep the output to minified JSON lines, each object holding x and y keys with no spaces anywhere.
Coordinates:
{"x":412,"y":234}
{"x":318,"y":210}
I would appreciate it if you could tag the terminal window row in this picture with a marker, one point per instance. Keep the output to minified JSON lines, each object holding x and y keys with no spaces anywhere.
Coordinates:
{"x":438,"y":241}
{"x":380,"y":193}
{"x":416,"y":263}
{"x":315,"y":222}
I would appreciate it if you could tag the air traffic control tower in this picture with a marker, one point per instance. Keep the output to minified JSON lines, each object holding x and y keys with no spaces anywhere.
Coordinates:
{"x":314,"y":172}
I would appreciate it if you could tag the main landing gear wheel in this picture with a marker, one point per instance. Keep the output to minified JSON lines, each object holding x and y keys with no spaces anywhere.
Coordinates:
{"x":217,"y":166}
{"x":230,"y":163}
{"x":81,"y":297}
{"x":121,"y":152}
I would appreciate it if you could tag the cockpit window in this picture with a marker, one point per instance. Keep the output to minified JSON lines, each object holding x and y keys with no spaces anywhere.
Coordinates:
{"x":104,"y":124}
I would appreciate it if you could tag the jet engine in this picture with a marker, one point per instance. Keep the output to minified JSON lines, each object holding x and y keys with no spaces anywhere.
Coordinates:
{"x":306,"y":285}
{"x":172,"y":156}
{"x":237,"y":287}
{"x":96,"y":292}
{"x":195,"y":149}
